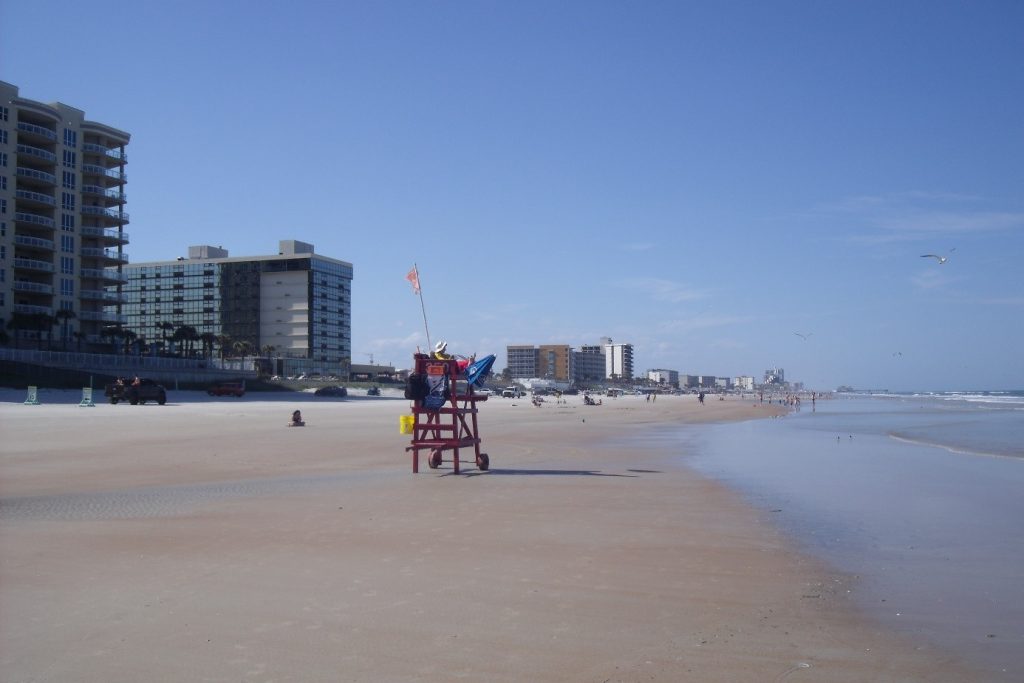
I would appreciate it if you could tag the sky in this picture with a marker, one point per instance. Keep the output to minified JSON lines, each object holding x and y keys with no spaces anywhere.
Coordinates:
{"x":728,"y":186}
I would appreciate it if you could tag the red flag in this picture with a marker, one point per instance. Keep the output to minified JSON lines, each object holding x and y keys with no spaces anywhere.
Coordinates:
{"x":414,"y":278}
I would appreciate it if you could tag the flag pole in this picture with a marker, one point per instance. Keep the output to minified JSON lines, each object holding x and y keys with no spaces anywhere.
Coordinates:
{"x":419,"y":291}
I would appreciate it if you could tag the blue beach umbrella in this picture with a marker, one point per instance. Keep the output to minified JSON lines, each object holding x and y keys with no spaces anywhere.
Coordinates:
{"x":478,"y":371}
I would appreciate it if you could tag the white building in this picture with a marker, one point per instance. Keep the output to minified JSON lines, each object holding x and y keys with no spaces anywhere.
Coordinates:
{"x":744,"y":383}
{"x":618,"y":359}
{"x":665,"y":377}
{"x":62,"y":220}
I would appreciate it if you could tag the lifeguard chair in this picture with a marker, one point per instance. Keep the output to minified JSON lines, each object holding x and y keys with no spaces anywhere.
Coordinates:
{"x":452,"y":426}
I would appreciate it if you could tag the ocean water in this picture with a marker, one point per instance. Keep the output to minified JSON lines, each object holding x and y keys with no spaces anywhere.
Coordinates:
{"x":919,"y":495}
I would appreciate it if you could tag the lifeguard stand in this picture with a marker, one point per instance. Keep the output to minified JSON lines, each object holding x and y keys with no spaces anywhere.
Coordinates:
{"x":451,"y":427}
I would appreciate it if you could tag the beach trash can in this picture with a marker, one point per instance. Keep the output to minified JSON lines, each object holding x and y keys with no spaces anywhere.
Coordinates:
{"x":405,"y":423}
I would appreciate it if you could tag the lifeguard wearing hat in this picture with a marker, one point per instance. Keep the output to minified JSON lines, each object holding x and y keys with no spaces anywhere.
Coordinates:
{"x":439,"y":351}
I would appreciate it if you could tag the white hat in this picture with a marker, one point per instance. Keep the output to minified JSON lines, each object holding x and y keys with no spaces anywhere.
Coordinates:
{"x":440,"y":346}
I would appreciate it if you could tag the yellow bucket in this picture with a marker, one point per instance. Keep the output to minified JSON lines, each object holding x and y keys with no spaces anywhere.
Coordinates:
{"x":405,"y":423}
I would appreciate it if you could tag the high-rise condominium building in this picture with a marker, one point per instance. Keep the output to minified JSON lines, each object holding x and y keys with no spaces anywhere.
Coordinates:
{"x":618,"y":359}
{"x":295,"y":304}
{"x":62,"y":220}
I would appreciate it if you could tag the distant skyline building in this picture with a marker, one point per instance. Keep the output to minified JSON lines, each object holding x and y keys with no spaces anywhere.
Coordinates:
{"x":665,"y":377}
{"x":62,"y":220}
{"x":589,"y":364}
{"x":522,"y":360}
{"x":593,"y":363}
{"x":618,"y":359}
{"x":775,"y":376}
{"x":296,"y":301}
{"x":744,"y":382}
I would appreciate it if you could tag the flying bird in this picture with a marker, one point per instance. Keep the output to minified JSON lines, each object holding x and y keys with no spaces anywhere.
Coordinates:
{"x":804,"y":336}
{"x":940,"y":259}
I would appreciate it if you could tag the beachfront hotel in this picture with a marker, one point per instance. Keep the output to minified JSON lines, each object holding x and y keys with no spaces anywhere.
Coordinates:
{"x":561,"y":363}
{"x":62,"y":220}
{"x":294,"y":307}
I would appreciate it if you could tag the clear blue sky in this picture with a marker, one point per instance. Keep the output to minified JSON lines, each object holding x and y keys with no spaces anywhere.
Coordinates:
{"x":702,"y":180}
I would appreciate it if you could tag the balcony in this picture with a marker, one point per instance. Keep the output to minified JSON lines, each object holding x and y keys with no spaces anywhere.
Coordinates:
{"x":34,"y":219}
{"x":37,"y":153}
{"x":33,"y":264}
{"x":33,"y":174}
{"x":114,"y":214}
{"x":103,"y":316}
{"x":34,"y":198}
{"x":101,"y":295}
{"x":103,"y":274}
{"x":108,"y":234}
{"x":108,"y":254}
{"x":112,"y":153}
{"x":34,"y":242}
{"x":34,"y":287}
{"x":114,"y":193}
{"x":112,"y":173}
{"x":29,"y":309}
{"x":37,"y":133}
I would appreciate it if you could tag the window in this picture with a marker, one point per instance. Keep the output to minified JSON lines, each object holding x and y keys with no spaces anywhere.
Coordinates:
{"x":70,"y":158}
{"x":3,"y":159}
{"x":3,"y":113}
{"x":67,"y":222}
{"x":3,"y":275}
{"x":3,"y":252}
{"x":3,"y":137}
{"x":3,"y":206}
{"x":67,"y":286}
{"x":70,"y":137}
{"x":67,"y":243}
{"x":69,"y":180}
{"x":3,"y":228}
{"x":3,"y":182}
{"x":67,"y":265}
{"x":67,"y":201}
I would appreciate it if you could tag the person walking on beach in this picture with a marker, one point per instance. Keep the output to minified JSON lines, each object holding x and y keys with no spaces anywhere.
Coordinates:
{"x":700,"y":397}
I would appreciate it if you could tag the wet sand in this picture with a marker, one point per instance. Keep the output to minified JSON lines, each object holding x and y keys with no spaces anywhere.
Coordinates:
{"x":205,"y":540}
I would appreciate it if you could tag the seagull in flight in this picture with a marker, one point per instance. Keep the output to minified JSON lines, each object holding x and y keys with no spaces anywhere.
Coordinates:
{"x":940,"y":259}
{"x":804,"y":336}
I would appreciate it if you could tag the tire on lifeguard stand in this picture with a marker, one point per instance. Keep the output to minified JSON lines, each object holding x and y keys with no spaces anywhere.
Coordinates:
{"x":483,"y":462}
{"x":434,"y":461}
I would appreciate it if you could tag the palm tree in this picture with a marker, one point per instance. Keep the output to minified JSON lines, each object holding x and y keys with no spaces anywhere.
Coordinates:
{"x":208,"y":339}
{"x":268,"y":350}
{"x":243,"y":348}
{"x":165,"y":327}
{"x":113,"y":333}
{"x":63,"y":316}
{"x":129,"y":338}
{"x":17,"y":323}
{"x":43,"y":322}
{"x":224,"y":340}
{"x":188,"y":335}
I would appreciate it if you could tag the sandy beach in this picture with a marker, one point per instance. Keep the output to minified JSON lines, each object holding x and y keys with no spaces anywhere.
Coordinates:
{"x":204,"y":540}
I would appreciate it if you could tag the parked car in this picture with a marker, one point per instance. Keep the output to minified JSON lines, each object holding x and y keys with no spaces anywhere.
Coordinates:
{"x":135,"y":391}
{"x":331,"y":390}
{"x":512,"y":392}
{"x":373,"y":391}
{"x":227,"y":389}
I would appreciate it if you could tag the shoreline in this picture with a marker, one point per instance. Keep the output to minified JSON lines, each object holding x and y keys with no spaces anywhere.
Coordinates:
{"x":315,"y":554}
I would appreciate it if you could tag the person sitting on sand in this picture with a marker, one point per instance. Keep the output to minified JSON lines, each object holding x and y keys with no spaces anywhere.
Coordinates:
{"x":297,"y":419}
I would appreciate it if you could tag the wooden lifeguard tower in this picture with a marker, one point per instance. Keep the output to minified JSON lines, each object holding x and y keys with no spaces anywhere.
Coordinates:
{"x":452,"y":427}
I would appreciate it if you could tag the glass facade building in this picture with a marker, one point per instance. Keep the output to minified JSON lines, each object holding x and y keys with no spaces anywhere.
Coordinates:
{"x":292,"y":305}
